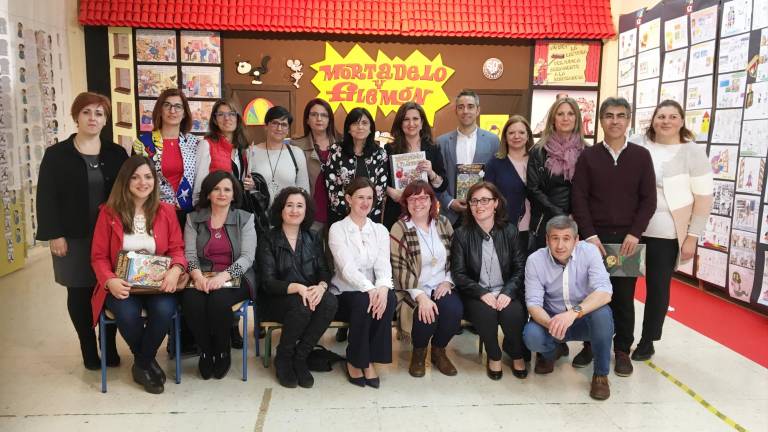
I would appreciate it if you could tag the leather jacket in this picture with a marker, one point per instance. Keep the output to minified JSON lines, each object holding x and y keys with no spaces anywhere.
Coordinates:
{"x":281,"y":266}
{"x":466,"y":260}
{"x":549,"y":195}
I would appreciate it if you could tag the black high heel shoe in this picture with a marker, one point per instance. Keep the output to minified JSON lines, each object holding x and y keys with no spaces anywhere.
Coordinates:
{"x":494,"y":375}
{"x":359,"y":381}
{"x":520,"y":373}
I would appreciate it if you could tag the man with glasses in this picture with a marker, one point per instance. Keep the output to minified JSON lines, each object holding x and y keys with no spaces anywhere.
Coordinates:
{"x":465,"y":145}
{"x":613,"y":198}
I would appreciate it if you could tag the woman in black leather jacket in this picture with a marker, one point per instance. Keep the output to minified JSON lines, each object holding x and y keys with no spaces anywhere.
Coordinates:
{"x":551,"y":164}
{"x":295,"y":278}
{"x":488,"y":267}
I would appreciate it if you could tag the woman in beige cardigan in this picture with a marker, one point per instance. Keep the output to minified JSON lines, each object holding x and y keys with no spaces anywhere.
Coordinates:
{"x":684,"y":200}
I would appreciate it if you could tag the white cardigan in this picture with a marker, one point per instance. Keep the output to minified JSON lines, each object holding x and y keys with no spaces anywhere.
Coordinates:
{"x":361,"y":257}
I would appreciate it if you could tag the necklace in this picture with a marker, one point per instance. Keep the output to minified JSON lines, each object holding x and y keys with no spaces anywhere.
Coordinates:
{"x":139,"y":224}
{"x":92,"y":161}
{"x":273,"y":187}
{"x":429,"y":245}
{"x":217,"y":233}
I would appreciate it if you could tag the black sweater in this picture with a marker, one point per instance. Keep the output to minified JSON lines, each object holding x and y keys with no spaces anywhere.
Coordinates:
{"x":62,"y":188}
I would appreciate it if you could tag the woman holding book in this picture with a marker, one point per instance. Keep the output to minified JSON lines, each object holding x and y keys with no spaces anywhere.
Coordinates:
{"x":134,"y":219}
{"x":412,"y":134}
{"x":220,"y":246}
{"x":295,"y":279}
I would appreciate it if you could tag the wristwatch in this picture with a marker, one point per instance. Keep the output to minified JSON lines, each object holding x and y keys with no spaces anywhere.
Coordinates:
{"x":323,"y":285}
{"x":579,"y":311}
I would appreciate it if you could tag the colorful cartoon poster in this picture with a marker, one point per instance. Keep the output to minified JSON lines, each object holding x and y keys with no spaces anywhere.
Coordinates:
{"x":731,"y":88}
{"x":146,"y":107}
{"x":153,"y":79}
{"x":200,"y":47}
{"x":754,"y":138}
{"x":750,"y":177}
{"x":157,"y":46}
{"x":724,"y":160}
{"x":727,"y":126}
{"x":493,"y":123}
{"x":676,"y":33}
{"x":201,"y":115}
{"x":717,"y":233}
{"x":559,"y":63}
{"x":201,"y":81}
{"x":405,"y":169}
{"x":650,"y":34}
{"x":543,"y":99}
{"x":628,"y":43}
{"x":698,"y":122}
{"x":675,"y":63}
{"x":703,"y":25}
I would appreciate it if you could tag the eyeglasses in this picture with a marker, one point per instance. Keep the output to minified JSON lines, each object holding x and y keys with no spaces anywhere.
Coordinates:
{"x":224,"y":115}
{"x":612,"y":116}
{"x":364,"y":123}
{"x":421,"y":199}
{"x":477,"y":201}
{"x":172,"y":107}
{"x":277,"y":124}
{"x":320,"y":115}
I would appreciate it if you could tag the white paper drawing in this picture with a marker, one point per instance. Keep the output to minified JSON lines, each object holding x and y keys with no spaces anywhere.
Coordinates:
{"x":717,"y":233}
{"x":722,"y":198}
{"x":711,"y":266}
{"x":745,"y":212}
{"x":737,"y":17}
{"x":698,"y":122}
{"x":754,"y":138}
{"x":650,"y":35}
{"x":676,"y":33}
{"x":761,"y":73}
{"x":674,"y":65}
{"x":648,"y":64}
{"x":627,"y":93}
{"x":731,"y":88}
{"x":627,"y":71}
{"x":674,"y":91}
{"x":643,"y":118}
{"x":628,"y":43}
{"x":733,"y":53}
{"x":763,"y":298}
{"x":727,"y":126}
{"x":756,"y":103}
{"x":740,"y":282}
{"x":750,"y":177}
{"x":759,"y":16}
{"x":703,"y":25}
{"x":724,"y":160}
{"x":764,"y":231}
{"x":647,"y":93}
{"x":699,"y":93}
{"x":743,"y":248}
{"x":702,"y":59}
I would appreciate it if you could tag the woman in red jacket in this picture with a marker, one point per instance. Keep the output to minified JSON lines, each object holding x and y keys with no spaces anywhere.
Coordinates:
{"x":134,"y":219}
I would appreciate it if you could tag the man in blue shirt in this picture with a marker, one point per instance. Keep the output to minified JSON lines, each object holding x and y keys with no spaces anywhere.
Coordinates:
{"x":567,"y":291}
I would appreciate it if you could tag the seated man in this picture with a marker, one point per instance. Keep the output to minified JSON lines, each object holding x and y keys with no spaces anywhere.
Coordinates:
{"x":567,"y":291}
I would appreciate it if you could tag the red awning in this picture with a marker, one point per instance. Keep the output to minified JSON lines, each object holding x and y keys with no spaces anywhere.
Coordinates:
{"x":517,"y":19}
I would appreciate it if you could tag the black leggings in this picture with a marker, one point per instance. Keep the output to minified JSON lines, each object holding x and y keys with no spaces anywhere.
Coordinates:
{"x":80,"y":312}
{"x":487,"y":320}
{"x":660,"y":260}
{"x":210,"y":316}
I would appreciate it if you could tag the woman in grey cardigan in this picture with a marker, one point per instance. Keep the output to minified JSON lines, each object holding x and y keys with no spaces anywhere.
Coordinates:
{"x":220,"y":246}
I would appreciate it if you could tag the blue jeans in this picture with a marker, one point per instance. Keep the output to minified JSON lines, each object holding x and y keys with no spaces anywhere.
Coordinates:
{"x":447,"y":323}
{"x":596,"y":327}
{"x":143,"y":340}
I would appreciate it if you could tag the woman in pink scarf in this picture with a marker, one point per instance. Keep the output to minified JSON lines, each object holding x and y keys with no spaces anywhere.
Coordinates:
{"x":551,"y":165}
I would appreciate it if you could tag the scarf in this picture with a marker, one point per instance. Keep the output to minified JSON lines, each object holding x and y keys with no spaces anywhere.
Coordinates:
{"x":562,"y":154}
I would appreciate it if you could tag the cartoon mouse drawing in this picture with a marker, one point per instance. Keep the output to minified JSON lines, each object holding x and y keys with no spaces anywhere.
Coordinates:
{"x":295,"y":66}
{"x":244,"y":68}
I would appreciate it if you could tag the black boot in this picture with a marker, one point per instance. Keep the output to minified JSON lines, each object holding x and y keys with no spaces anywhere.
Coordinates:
{"x":144,"y":378}
{"x":113,"y":358}
{"x":341,"y":335}
{"x":90,"y":354}
{"x":284,"y":371}
{"x":303,"y":375}
{"x":221,"y":365}
{"x":205,"y":365}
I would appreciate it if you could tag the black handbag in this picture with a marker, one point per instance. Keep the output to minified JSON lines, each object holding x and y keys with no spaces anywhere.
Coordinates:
{"x":322,"y":360}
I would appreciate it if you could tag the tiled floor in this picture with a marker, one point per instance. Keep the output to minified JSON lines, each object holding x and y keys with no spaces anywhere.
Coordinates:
{"x":43,"y":386}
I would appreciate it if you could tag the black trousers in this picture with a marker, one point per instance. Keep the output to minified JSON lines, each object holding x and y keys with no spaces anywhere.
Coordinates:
{"x":370,"y":340}
{"x":302,"y":328}
{"x":487,"y":321}
{"x":622,"y":302}
{"x":80,"y":312}
{"x":210,"y":316}
{"x":660,"y":260}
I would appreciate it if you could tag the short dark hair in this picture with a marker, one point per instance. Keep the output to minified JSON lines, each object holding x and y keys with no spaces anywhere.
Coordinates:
{"x":500,"y":217}
{"x":87,"y":98}
{"x":210,"y":182}
{"x":157,"y":112}
{"x":347,"y":145}
{"x":278,"y":112}
{"x":615,"y":102}
{"x":470,"y":93}
{"x":276,"y":211}
{"x":358,"y":183}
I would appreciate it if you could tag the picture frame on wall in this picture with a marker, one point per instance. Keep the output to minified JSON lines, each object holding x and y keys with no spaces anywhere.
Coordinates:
{"x":146,"y":107}
{"x":201,"y":115}
{"x":544,"y":98}
{"x":121,"y":43}
{"x":157,"y":46}
{"x":201,"y":81}
{"x":153,"y":79}
{"x":200,"y":47}
{"x":566,"y":63}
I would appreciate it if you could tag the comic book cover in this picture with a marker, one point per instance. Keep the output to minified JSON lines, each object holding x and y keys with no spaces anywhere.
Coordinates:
{"x":624,"y":266}
{"x":466,"y":176}
{"x":141,"y":270}
{"x":404,"y":168}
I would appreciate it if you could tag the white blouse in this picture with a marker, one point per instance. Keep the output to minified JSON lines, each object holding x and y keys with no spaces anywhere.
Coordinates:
{"x":140,"y":240}
{"x":432,"y":275}
{"x":361,"y":256}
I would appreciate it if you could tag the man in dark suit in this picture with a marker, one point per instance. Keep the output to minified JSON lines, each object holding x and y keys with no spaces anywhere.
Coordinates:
{"x":467,"y":144}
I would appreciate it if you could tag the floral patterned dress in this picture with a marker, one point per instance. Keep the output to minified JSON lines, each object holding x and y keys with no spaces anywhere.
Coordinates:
{"x":341,"y":168}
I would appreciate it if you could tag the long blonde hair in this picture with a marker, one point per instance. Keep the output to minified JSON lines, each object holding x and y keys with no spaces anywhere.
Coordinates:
{"x":121,"y":201}
{"x":549,"y":129}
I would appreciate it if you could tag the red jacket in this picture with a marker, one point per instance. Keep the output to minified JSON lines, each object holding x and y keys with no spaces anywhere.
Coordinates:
{"x":108,"y":241}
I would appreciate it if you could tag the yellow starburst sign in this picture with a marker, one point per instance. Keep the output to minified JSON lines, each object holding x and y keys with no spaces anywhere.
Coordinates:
{"x":357,"y":80}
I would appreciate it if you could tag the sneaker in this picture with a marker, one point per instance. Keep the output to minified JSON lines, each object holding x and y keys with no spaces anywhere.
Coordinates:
{"x":623,"y":366}
{"x":583,"y":358}
{"x":644,"y":351}
{"x":600,"y":389}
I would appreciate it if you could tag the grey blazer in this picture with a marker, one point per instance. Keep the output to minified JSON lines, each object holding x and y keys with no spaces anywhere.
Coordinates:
{"x":486,"y":147}
{"x":242,"y":235}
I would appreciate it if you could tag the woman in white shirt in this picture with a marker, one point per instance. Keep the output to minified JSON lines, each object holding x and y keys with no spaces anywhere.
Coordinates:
{"x":363,"y":284}
{"x":280,"y":164}
{"x":683,"y":202}
{"x":420,"y":245}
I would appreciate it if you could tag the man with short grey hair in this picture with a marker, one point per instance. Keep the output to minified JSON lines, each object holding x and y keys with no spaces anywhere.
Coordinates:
{"x":567,"y":291}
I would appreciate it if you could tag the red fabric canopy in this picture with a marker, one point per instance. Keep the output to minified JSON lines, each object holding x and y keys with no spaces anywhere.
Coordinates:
{"x":519,"y":19}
